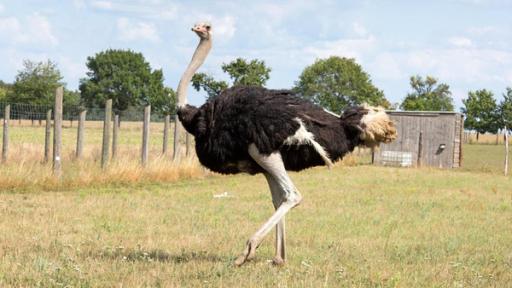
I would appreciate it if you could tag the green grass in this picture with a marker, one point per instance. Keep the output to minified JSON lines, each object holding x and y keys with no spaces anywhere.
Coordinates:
{"x":130,"y":134}
{"x":358,"y":226}
{"x":484,"y":158}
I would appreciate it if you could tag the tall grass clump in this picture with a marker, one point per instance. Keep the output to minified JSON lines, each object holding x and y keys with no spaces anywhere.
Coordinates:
{"x":25,"y":169}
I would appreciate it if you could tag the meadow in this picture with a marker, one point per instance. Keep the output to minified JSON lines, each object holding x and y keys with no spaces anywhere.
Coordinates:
{"x":358,"y":226}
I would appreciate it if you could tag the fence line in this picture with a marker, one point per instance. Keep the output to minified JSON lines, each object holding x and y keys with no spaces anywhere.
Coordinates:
{"x":33,"y":112}
{"x":60,"y":113}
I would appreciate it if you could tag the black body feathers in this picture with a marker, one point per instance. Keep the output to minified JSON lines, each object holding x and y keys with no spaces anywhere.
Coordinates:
{"x":225,"y":127}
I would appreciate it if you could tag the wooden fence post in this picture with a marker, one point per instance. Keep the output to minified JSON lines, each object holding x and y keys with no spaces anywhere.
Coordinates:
{"x":420,"y":149}
{"x":145,"y":135}
{"x":506,"y":151}
{"x":80,"y":134}
{"x":106,"y":133}
{"x":57,"y":132}
{"x":5,"y":142}
{"x":166,"y":134}
{"x":177,"y":135}
{"x":47,"y":136}
{"x":115,"y":136}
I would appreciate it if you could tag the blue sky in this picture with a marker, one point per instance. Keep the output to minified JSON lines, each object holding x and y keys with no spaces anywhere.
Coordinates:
{"x":466,"y":44}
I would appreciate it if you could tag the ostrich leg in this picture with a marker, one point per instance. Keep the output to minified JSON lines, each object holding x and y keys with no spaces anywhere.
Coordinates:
{"x":274,"y":166}
{"x":280,"y":257}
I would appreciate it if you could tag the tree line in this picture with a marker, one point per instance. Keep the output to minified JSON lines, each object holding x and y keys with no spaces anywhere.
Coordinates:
{"x":333,"y":83}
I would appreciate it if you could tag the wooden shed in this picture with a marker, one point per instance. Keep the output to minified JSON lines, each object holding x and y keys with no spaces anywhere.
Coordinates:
{"x":424,"y":139}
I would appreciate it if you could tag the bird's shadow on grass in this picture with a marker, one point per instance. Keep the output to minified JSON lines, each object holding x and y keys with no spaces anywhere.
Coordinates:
{"x":157,"y":255}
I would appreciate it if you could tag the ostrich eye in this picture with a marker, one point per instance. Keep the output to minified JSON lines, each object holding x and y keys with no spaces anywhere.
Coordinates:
{"x":208,"y":27}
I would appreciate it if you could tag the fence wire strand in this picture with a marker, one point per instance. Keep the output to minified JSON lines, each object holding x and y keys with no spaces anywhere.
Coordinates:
{"x":20,"y":111}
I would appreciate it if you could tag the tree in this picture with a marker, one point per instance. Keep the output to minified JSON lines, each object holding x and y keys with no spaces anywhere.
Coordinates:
{"x":254,"y":73}
{"x":4,"y":90}
{"x":206,"y":82}
{"x":336,"y":83}
{"x":505,"y":110}
{"x":241,"y":72}
{"x":428,"y":95}
{"x":125,"y":77}
{"x":480,"y":112}
{"x":71,"y":98}
{"x":36,"y":83}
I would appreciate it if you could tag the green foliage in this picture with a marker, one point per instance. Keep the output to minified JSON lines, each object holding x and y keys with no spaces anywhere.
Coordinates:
{"x":242,"y":72}
{"x":253,"y":73}
{"x":428,"y":95}
{"x":206,"y":82}
{"x":36,"y":83}
{"x":505,"y":110}
{"x":480,"y":111}
{"x":71,"y":98}
{"x":125,"y":77}
{"x":336,"y":83}
{"x":4,"y":90}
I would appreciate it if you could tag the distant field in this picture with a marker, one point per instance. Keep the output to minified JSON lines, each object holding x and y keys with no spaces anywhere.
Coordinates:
{"x":484,"y":158}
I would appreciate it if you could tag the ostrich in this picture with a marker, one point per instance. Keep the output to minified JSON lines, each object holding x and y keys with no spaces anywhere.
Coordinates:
{"x":256,"y":130}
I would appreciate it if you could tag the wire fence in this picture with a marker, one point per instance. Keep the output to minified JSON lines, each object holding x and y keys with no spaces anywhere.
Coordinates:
{"x":20,"y":111}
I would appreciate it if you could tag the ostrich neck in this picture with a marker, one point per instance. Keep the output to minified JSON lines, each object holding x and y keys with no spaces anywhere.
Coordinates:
{"x":197,"y":60}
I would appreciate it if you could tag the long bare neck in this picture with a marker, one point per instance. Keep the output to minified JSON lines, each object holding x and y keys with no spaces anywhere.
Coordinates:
{"x":197,"y":60}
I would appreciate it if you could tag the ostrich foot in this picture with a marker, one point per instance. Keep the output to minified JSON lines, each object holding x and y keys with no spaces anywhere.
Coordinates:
{"x":278,"y":261}
{"x":248,"y":254}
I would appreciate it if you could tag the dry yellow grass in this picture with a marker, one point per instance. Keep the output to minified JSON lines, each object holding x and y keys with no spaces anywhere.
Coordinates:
{"x":25,"y":169}
{"x":487,"y":138}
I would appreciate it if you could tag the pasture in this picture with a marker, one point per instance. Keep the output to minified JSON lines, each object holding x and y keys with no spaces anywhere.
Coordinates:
{"x":358,"y":225}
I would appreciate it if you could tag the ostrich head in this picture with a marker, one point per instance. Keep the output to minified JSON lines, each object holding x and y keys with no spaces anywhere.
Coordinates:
{"x":370,"y":125}
{"x":203,"y":30}
{"x":376,"y":126}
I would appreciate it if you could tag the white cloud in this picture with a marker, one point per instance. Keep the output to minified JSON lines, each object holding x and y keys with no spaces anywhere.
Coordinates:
{"x":359,"y":29}
{"x":104,"y":5}
{"x":129,"y":31}
{"x":483,"y":30}
{"x":386,"y":66}
{"x":147,"y":9}
{"x":72,"y":68}
{"x":466,"y":65}
{"x":460,"y":41}
{"x":1,"y":8}
{"x":274,"y":12}
{"x":351,"y":48}
{"x":10,"y":28}
{"x":225,"y":27}
{"x":40,"y":29}
{"x":35,"y":29}
{"x":79,"y":4}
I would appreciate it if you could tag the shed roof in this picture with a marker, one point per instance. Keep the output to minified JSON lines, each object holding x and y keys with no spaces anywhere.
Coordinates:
{"x":421,"y":113}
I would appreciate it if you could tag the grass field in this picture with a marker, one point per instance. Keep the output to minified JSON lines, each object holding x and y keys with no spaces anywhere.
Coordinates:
{"x":358,"y":226}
